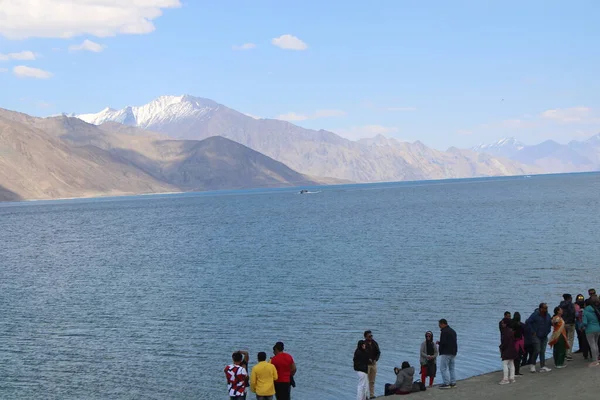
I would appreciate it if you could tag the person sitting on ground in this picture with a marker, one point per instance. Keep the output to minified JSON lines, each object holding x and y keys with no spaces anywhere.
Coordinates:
{"x":508,"y":353}
{"x":559,"y":340}
{"x":404,"y":380}
{"x":591,"y":324}
{"x":429,"y":353}
{"x":584,"y":346}
{"x":519,"y":330}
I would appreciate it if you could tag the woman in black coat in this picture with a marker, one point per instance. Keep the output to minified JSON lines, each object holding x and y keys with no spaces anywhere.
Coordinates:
{"x":361,"y":366}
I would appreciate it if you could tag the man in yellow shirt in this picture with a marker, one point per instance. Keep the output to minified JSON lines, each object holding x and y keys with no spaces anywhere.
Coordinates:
{"x":262,"y":378}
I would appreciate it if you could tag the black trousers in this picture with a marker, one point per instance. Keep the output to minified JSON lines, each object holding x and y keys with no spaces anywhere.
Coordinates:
{"x":282,"y":390}
{"x":527,"y":356}
{"x":584,"y":346}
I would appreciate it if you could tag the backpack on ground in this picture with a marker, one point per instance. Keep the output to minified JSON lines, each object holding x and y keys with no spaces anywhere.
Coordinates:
{"x":418,"y":386}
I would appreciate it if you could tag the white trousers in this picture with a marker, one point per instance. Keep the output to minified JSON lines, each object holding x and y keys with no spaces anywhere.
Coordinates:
{"x":508,"y":366}
{"x":363,"y":386}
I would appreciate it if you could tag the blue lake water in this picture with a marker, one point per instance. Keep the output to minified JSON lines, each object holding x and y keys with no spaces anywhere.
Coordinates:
{"x":147,"y":297}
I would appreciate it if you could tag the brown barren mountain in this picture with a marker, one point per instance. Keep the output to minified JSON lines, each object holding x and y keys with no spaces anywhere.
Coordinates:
{"x":45,"y":158}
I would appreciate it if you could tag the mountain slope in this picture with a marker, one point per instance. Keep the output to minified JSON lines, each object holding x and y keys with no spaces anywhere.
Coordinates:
{"x":315,"y":153}
{"x":220,"y":163}
{"x":7,"y":195}
{"x":66,"y":157}
{"x":34,"y":165}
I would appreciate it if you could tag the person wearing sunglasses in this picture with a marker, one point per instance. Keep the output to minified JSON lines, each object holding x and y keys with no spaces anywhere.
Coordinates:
{"x":374,"y":354}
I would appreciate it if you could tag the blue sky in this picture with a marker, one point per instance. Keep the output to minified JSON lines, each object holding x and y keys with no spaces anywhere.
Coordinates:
{"x":443,"y":72}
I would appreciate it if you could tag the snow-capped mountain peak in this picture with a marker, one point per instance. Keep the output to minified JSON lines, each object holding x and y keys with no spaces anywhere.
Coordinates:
{"x":161,"y":110}
{"x":510,"y":142}
{"x":594,"y":139}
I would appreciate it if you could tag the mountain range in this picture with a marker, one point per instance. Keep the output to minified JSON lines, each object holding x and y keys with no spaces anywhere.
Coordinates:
{"x":186,"y":143}
{"x":58,"y":157}
{"x":550,"y":156}
{"x":315,"y":153}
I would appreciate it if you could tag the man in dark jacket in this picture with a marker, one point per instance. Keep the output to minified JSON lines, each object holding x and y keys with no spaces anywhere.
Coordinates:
{"x":374,"y":353}
{"x":591,"y":293}
{"x":540,"y":325}
{"x":569,"y":317}
{"x":448,"y":348}
{"x":506,"y":315}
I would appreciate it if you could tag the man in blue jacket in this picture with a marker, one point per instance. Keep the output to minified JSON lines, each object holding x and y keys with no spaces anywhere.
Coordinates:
{"x":540,"y":325}
{"x":448,"y":348}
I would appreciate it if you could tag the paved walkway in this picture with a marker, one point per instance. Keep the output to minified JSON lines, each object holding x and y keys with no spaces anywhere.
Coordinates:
{"x":577,"y":382}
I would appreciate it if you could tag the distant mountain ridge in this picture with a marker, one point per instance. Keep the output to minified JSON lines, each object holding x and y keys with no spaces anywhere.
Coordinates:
{"x":46,"y":158}
{"x":550,"y":156}
{"x":311,"y":152}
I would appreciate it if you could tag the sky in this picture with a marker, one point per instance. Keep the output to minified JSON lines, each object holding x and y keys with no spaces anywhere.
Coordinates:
{"x":447,"y":73}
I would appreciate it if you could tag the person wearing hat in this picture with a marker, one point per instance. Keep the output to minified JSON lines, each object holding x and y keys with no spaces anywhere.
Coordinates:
{"x":429,"y":354}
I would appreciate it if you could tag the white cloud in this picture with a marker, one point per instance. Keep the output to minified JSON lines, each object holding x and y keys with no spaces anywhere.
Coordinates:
{"x":88,"y":45}
{"x":252,"y":116}
{"x":3,"y":70}
{"x":44,"y":105}
{"x":292,"y":116}
{"x":245,"y":46}
{"x":289,"y":42}
{"x":366,"y":131}
{"x":518,"y":123}
{"x":569,"y":115}
{"x":401,"y":109}
{"x":21,"y":56}
{"x":22,"y":71}
{"x":21,"y":19}
{"x":328,"y":113}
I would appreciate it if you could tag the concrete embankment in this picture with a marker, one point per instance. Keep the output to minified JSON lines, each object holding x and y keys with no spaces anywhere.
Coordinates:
{"x":577,"y":381}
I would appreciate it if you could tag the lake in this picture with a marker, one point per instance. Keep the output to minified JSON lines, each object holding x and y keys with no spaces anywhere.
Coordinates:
{"x":148,"y":296}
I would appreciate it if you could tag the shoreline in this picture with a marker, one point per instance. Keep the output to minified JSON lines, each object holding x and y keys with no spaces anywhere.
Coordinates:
{"x":412,"y":182}
{"x":577,"y":381}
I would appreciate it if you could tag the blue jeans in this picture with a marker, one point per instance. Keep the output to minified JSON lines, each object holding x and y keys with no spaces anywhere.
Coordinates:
{"x":539,"y":348}
{"x":447,"y":369}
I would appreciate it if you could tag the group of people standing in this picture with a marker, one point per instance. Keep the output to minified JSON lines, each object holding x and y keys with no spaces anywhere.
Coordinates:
{"x":267,"y":379}
{"x":522,"y":343}
{"x":367,"y":354}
